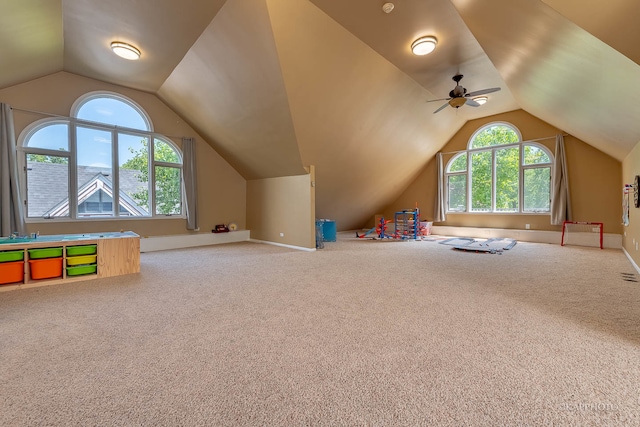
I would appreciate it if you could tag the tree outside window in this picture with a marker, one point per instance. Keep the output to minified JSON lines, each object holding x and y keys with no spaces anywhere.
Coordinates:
{"x":167,"y":176}
{"x":499,"y":174}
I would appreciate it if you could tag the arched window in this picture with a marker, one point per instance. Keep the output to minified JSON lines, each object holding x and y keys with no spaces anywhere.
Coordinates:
{"x":105,"y":152}
{"x":499,"y":173}
{"x":111,"y":109}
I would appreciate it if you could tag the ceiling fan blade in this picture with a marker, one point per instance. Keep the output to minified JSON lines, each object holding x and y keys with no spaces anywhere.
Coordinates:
{"x":483,"y":91}
{"x":441,"y":99}
{"x":472,"y":103}
{"x":442,"y":107}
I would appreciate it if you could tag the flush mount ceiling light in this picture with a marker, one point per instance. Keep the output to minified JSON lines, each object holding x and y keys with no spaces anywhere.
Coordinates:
{"x":424,"y":45}
{"x":481,"y":99}
{"x":125,"y":50}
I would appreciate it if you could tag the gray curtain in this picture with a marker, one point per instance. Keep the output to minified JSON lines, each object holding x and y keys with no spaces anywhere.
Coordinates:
{"x":189,"y":174}
{"x":560,"y":200}
{"x":11,"y":212}
{"x":440,"y":212}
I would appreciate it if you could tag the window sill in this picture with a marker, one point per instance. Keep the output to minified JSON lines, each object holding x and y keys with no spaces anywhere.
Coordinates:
{"x":102,"y":219}
{"x":497,"y":213}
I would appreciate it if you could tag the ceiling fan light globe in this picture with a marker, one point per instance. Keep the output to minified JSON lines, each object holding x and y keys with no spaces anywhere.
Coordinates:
{"x":481,"y":99}
{"x":457,"y":102}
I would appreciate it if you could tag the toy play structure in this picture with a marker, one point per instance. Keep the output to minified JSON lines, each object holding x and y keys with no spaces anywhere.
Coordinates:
{"x":407,"y":226}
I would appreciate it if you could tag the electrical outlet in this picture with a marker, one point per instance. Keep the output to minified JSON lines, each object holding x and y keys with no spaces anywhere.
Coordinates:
{"x":527,"y":226}
{"x":281,"y":234}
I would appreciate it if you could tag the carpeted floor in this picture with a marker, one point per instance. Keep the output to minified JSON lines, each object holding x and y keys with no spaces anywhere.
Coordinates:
{"x":362,"y":333}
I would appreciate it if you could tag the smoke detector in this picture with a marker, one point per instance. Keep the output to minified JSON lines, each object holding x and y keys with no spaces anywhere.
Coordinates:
{"x":387,"y":7}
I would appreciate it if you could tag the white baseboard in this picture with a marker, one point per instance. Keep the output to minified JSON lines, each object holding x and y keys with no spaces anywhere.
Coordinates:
{"x":633,"y":263}
{"x":161,"y":243}
{"x":300,"y":248}
{"x":611,"y":241}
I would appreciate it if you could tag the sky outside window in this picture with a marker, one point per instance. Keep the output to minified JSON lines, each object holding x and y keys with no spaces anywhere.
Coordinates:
{"x":51,"y":137}
{"x":114,"y":112}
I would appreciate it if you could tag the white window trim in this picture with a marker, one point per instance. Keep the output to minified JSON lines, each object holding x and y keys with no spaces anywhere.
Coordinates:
{"x":79,"y":103}
{"x":489,"y":125}
{"x":493,"y":148}
{"x":71,"y":155}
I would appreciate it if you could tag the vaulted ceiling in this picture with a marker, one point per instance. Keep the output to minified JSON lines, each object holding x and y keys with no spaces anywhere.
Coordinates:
{"x":276,"y":85}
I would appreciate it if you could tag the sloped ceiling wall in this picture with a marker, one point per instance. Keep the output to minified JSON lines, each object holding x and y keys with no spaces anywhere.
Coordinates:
{"x":32,"y":43}
{"x":561,"y":73}
{"x":230,"y":87}
{"x":364,"y":126}
{"x":458,"y":52}
{"x":613,"y":22}
{"x":162,"y":29}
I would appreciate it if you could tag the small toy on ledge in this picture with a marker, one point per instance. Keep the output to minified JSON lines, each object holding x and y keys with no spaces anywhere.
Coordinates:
{"x":220,"y":228}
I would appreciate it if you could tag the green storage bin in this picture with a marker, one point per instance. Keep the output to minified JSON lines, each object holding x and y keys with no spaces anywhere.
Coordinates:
{"x":81,"y":269}
{"x":82,"y":250}
{"x":45,"y":253}
{"x":8,"y":256}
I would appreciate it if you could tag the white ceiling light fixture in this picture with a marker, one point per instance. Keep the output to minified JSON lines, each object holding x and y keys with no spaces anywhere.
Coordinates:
{"x":481,"y":99}
{"x":424,"y":45}
{"x":125,"y":50}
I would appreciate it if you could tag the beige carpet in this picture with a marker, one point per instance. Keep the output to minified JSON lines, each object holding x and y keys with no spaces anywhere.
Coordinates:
{"x":361,"y":333}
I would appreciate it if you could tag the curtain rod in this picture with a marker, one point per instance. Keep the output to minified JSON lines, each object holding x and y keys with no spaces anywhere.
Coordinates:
{"x":90,"y":122}
{"x":519,"y":142}
{"x":37,"y":112}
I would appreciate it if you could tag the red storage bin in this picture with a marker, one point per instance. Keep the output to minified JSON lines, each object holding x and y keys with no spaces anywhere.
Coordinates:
{"x":45,"y":268}
{"x":11,"y":272}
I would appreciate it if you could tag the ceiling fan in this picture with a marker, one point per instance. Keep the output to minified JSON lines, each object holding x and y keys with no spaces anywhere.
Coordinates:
{"x":459,"y":96}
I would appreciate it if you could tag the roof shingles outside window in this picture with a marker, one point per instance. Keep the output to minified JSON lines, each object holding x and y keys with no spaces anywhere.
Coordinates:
{"x":50,"y":180}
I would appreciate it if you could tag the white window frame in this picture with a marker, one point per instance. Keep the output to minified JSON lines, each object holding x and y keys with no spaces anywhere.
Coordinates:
{"x":493,"y":148}
{"x":448,"y":174}
{"x":73,"y":123}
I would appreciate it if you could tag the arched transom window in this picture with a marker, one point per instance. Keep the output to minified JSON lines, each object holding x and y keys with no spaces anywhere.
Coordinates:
{"x":499,"y":173}
{"x":104,"y":161}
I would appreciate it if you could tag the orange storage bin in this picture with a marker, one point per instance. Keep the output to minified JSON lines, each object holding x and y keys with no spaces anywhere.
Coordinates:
{"x":11,"y":272}
{"x":45,"y":268}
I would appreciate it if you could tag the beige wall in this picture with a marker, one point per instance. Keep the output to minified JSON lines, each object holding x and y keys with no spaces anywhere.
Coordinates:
{"x":594,"y":180}
{"x":221,"y":190}
{"x":283,"y":205}
{"x":631,"y":233}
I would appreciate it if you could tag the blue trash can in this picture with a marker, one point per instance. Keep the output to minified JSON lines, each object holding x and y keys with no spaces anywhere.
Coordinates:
{"x":328,"y":230}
